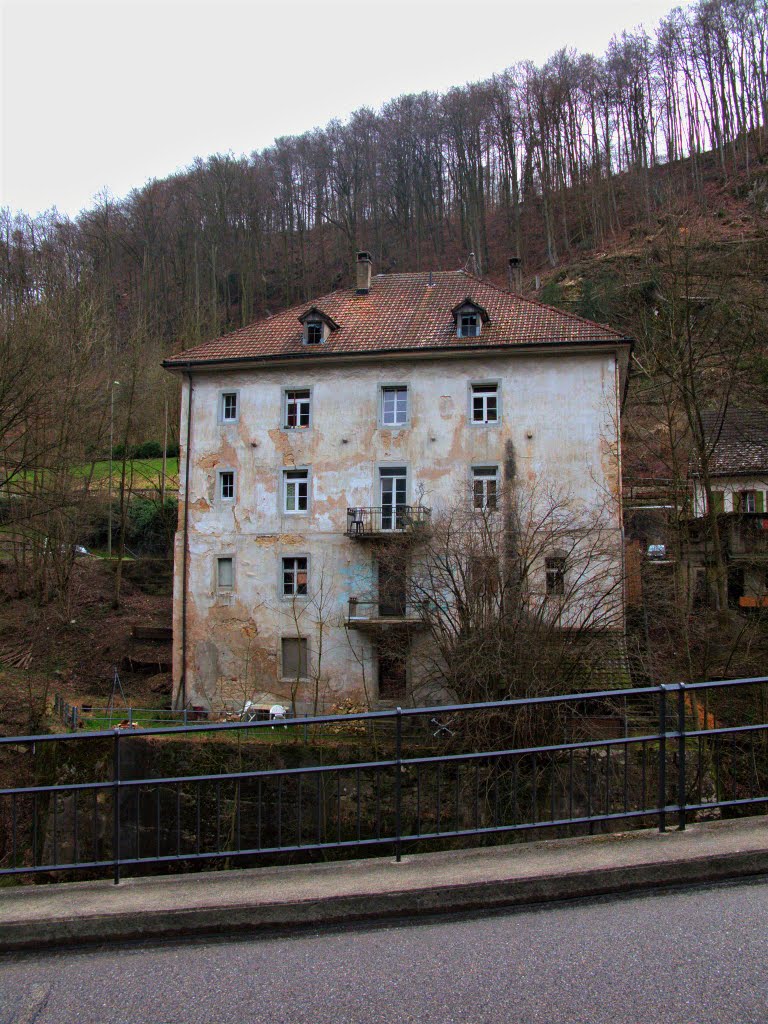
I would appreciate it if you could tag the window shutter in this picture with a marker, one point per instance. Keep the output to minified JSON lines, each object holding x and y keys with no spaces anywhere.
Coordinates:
{"x":718,"y":501}
{"x":759,"y":501}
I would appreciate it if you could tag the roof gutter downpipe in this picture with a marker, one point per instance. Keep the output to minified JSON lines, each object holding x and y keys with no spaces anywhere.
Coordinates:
{"x":185,"y":555}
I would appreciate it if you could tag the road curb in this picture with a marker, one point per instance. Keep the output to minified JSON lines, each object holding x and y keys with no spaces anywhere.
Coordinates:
{"x":254,"y":917}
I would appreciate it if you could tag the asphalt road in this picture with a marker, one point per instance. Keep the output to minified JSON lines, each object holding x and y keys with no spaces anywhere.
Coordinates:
{"x":684,"y":957}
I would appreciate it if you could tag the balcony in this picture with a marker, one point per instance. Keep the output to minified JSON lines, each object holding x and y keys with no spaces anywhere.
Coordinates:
{"x":382,"y":615}
{"x":386,"y":521}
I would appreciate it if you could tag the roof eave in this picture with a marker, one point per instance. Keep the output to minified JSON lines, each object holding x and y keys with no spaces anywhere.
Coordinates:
{"x":425,"y":351}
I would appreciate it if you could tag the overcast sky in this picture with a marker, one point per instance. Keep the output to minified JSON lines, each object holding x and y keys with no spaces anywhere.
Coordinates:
{"x":106,"y":95}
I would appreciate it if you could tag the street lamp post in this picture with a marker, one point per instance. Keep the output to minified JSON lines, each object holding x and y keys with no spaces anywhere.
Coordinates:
{"x":115,"y":383}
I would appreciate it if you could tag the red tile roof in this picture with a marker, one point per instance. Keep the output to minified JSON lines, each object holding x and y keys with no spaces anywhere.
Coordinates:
{"x":403,"y":312}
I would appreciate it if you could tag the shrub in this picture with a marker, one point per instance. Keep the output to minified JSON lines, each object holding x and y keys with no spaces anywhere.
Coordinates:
{"x":147,"y":450}
{"x":151,"y":526}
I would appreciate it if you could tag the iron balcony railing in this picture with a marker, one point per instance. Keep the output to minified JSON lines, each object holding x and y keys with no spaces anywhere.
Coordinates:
{"x":374,"y":521}
{"x":384,"y":611}
{"x":645,"y":755}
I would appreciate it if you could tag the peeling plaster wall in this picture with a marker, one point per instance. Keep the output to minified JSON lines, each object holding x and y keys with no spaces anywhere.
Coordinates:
{"x":559,"y":417}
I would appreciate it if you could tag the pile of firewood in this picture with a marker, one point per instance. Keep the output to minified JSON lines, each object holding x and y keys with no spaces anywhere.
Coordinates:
{"x":16,"y":655}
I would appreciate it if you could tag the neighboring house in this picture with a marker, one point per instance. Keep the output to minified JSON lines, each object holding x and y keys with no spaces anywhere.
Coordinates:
{"x":316,"y":439}
{"x":737,"y":449}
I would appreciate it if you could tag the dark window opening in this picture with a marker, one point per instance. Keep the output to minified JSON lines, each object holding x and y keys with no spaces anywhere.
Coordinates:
{"x":468,"y":325}
{"x":392,"y":676}
{"x":294,"y":657}
{"x":555,"y":573}
{"x":314,"y":332}
{"x":297,"y":404}
{"x":294,"y":577}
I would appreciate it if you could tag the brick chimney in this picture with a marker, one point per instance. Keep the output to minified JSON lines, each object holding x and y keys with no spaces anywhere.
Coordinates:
{"x":515,"y":272}
{"x":363,"y":267}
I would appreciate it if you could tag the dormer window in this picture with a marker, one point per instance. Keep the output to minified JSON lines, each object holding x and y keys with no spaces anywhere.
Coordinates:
{"x":469,"y":326}
{"x":469,"y":318}
{"x":317,"y":326}
{"x":314,"y":329}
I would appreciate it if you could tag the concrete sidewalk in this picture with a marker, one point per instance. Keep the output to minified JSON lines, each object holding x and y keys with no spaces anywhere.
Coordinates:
{"x":264,"y":899}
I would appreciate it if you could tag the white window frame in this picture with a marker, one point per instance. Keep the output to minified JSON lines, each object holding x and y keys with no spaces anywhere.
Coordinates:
{"x":485,"y":474}
{"x":220,"y":497}
{"x":302,"y":401}
{"x":315,"y":322}
{"x":223,"y":395}
{"x":385,"y":389}
{"x":475,"y":325}
{"x":747,"y":497}
{"x":393,"y":471}
{"x":288,"y":565}
{"x":286,"y":481}
{"x":484,"y":389}
{"x":298,"y":640}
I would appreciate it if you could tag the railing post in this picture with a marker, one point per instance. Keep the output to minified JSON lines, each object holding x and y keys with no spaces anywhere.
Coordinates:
{"x":662,"y":795}
{"x":116,"y":805}
{"x":398,"y":782}
{"x":681,"y":756}
{"x":74,"y":717}
{"x":130,"y":716}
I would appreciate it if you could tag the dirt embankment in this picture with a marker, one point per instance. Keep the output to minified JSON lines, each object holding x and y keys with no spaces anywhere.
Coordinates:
{"x":74,"y":650}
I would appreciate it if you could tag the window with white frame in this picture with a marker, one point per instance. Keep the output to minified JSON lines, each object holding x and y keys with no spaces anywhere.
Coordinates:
{"x":297,"y":409}
{"x":485,"y":480}
{"x":294,"y":657}
{"x":469,"y":325}
{"x":228,"y":407}
{"x":294,"y":577}
{"x":394,"y":405}
{"x":485,"y":403}
{"x":227,"y":485}
{"x":313,"y":332}
{"x":225,"y":572}
{"x":393,"y":495}
{"x":295,"y":490}
{"x":554,"y":571}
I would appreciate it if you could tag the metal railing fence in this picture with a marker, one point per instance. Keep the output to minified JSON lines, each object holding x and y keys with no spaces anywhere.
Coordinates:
{"x":447,"y":773}
{"x":393,"y":518}
{"x":88,"y":716}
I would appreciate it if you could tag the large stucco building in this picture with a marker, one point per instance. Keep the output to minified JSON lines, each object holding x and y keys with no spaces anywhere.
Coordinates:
{"x":312,"y":437}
